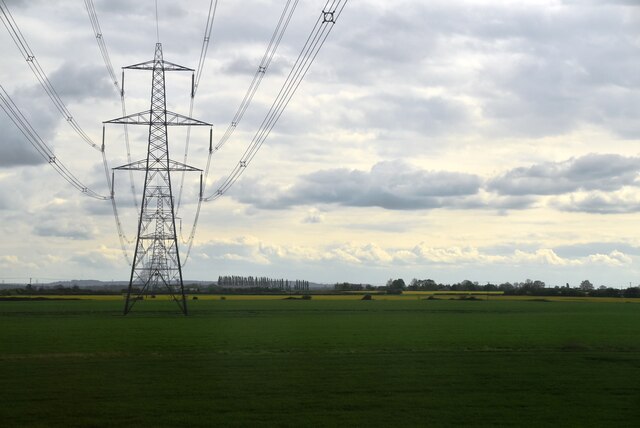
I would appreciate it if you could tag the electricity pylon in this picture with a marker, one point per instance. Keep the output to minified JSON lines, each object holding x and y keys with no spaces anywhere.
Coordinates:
{"x":156,"y":261}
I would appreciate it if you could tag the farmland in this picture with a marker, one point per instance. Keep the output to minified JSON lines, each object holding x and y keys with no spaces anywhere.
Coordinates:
{"x":399,"y":362}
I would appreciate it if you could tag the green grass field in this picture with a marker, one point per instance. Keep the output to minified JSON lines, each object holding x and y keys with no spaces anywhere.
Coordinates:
{"x":319,"y":363}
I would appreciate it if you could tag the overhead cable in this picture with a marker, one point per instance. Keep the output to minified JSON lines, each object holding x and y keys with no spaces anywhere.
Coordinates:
{"x":283,"y":23}
{"x":95,"y":24}
{"x":316,"y":39}
{"x":34,"y":65}
{"x":16,"y":116}
{"x":213,"y":6}
{"x":102,"y":45}
{"x":29,"y":132}
{"x":274,"y":42}
{"x":308,"y":54}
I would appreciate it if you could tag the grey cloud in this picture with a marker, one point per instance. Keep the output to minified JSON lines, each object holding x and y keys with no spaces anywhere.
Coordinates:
{"x":514,"y":203}
{"x":122,"y":7}
{"x":590,"y":172}
{"x":533,"y":101}
{"x":392,"y":185}
{"x":534,"y":71}
{"x":602,"y":2}
{"x":70,"y":231}
{"x":15,"y":149}
{"x":9,"y":198}
{"x":618,"y":109}
{"x":240,"y":65}
{"x":17,"y":3}
{"x":501,"y":203}
{"x":73,"y":82}
{"x":556,"y":78}
{"x":432,"y":115}
{"x":248,"y":66}
{"x":598,"y":203}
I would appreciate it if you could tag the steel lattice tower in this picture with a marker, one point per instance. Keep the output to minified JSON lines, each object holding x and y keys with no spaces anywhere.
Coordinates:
{"x":156,"y":261}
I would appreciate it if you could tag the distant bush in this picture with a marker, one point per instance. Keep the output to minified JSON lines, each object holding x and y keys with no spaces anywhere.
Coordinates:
{"x":223,"y":298}
{"x":306,"y":297}
{"x":367,"y":297}
{"x":194,"y":298}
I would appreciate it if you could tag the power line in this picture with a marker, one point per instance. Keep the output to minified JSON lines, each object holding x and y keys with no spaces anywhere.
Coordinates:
{"x":283,"y":23}
{"x":316,"y":39}
{"x":34,"y":65}
{"x":27,"y":130}
{"x":213,"y":6}
{"x":95,"y":24}
{"x":309,"y":52}
{"x":276,"y":37}
{"x":274,"y":42}
{"x":114,"y":207}
{"x":16,"y":116}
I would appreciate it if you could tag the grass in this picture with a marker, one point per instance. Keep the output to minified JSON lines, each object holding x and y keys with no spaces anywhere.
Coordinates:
{"x":356,"y":295}
{"x":402,"y":362}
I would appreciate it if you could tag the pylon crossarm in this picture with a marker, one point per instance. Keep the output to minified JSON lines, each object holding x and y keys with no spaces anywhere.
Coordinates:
{"x":141,"y":165}
{"x":165,"y":65}
{"x":145,"y":118}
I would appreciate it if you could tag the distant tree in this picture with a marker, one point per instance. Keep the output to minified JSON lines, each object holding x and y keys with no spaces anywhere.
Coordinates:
{"x":586,"y":285}
{"x":423,"y":285}
{"x":538,"y":284}
{"x":396,"y":286}
{"x":531,"y":287}
{"x":506,"y":287}
{"x":346,"y":286}
{"x":604,"y":291}
{"x":468,"y":285}
{"x":490,"y":287}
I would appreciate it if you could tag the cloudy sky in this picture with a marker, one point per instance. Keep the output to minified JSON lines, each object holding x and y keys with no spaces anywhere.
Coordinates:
{"x":483,"y":140}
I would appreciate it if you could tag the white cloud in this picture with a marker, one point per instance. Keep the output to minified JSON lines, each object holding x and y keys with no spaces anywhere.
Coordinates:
{"x":251,"y":249}
{"x":314,"y":216}
{"x":15,"y":262}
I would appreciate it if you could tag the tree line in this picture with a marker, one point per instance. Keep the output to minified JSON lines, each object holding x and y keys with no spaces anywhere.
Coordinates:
{"x":528,"y":287}
{"x":263,"y":282}
{"x":348,"y":286}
